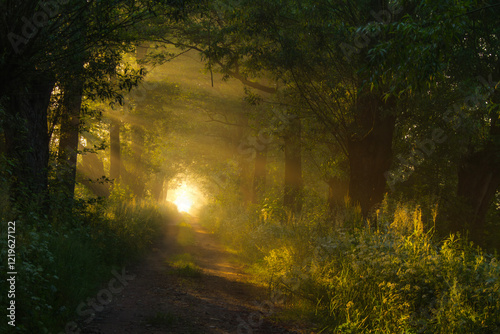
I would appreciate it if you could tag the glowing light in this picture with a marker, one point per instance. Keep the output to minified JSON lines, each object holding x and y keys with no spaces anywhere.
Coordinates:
{"x":183,"y":198}
{"x":183,"y":203}
{"x":186,"y":195}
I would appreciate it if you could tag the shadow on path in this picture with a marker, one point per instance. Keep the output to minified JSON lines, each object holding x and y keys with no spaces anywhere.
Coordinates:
{"x":211,"y":298}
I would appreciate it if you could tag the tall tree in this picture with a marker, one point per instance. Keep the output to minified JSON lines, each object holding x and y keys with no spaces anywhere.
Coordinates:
{"x":115,"y":149}
{"x":454,"y":57}
{"x":26,"y":137}
{"x":259,"y":176}
{"x":138,"y":178}
{"x":69,"y":134}
{"x":369,"y":150}
{"x":72,"y":85}
{"x":479,"y":168}
{"x":294,"y":184}
{"x":33,"y":45}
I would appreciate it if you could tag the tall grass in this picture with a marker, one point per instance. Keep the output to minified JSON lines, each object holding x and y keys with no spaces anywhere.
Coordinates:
{"x":61,"y":265}
{"x":350,"y":277}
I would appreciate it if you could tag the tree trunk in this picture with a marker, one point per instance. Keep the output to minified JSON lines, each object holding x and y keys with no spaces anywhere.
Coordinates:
{"x":478,"y":181}
{"x":370,"y":151}
{"x":292,"y":199}
{"x":137,"y":180}
{"x":245,"y":175}
{"x":27,"y":140}
{"x":338,"y":189}
{"x":69,"y":138}
{"x":259,"y":177}
{"x":72,"y":85}
{"x":92,"y":175}
{"x":164,"y":192}
{"x":2,"y":143}
{"x":245,"y":182}
{"x":114,"y":147}
{"x":157,"y":190}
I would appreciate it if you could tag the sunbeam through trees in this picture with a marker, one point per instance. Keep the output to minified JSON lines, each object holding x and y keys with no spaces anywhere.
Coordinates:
{"x":250,"y":166}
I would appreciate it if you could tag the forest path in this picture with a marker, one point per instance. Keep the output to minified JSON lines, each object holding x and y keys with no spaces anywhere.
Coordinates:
{"x":171,"y":295}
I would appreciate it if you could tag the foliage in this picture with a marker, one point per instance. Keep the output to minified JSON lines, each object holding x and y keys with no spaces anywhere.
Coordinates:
{"x":432,"y":67}
{"x":184,"y":266}
{"x":353,"y":278}
{"x":61,"y":265}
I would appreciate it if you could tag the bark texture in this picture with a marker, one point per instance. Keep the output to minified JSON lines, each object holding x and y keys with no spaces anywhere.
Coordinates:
{"x":69,"y":138}
{"x":370,"y":151}
{"x":115,"y":158}
{"x":27,"y":139}
{"x":478,"y":181}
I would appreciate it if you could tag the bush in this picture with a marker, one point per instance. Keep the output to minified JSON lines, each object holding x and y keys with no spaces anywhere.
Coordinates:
{"x":393,"y":280}
{"x":60,"y":265}
{"x":394,"y":277}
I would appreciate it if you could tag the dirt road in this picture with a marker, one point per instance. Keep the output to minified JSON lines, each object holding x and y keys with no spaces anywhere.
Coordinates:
{"x":188,"y":284}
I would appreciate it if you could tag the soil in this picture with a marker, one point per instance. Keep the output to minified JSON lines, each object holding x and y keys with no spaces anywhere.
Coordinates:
{"x":214,"y":297}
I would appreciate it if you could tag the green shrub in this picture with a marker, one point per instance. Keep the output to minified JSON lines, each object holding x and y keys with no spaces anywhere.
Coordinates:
{"x":354,"y":276}
{"x":61,"y":264}
{"x":394,"y":280}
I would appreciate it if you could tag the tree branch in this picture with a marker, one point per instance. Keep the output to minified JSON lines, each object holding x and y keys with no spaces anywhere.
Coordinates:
{"x":252,"y":84}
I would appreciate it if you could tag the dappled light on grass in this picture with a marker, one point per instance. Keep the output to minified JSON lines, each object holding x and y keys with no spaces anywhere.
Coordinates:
{"x":184,"y":265}
{"x":397,"y":278}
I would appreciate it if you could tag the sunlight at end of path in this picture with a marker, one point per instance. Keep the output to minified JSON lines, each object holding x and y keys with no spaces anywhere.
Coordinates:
{"x":186,"y":197}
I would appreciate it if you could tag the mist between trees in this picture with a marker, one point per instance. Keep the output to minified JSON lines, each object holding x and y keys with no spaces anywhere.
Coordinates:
{"x":306,"y":134}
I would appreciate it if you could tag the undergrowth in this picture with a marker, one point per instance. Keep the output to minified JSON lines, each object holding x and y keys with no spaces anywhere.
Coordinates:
{"x":62,"y":263}
{"x":353,"y":276}
{"x":184,"y":266}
